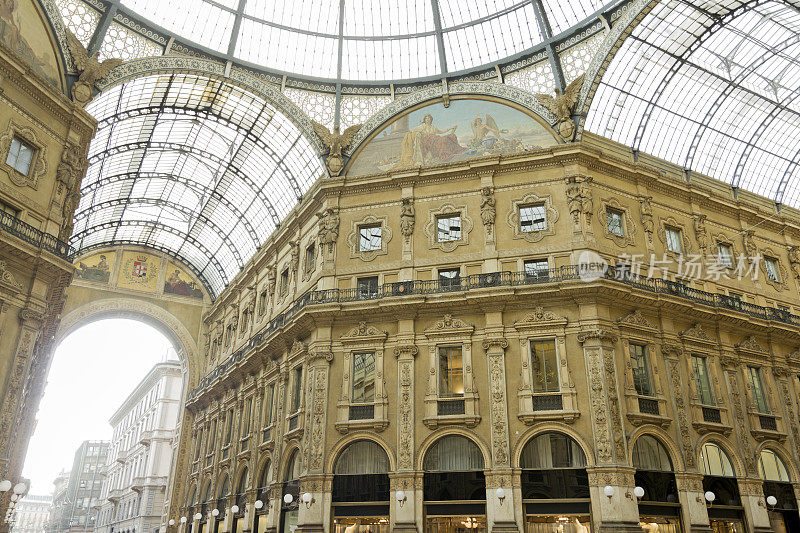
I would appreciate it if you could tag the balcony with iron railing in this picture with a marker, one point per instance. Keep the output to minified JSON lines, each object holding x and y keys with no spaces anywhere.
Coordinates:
{"x":38,"y":238}
{"x":477,"y":282}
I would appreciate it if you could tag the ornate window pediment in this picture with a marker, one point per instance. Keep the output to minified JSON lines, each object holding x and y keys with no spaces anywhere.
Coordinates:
{"x":636,"y":320}
{"x":622,"y":230}
{"x":775,"y":274}
{"x":670,"y":224}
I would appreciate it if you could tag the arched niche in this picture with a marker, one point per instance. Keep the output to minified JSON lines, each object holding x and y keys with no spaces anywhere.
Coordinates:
{"x":719,"y":474}
{"x":361,"y":474}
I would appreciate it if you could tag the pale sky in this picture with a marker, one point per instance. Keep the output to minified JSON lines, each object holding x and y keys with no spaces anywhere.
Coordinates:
{"x":94,"y":369}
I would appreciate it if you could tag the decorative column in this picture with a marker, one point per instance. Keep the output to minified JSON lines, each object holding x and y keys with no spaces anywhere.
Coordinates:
{"x":619,"y":511}
{"x":402,"y":479}
{"x":500,"y":510}
{"x":276,"y":488}
{"x":313,"y":515}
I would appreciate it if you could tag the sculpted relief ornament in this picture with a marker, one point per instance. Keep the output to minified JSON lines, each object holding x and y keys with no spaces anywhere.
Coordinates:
{"x":700,"y":231}
{"x":90,"y":68}
{"x":794,"y":260}
{"x":328,"y":229}
{"x":562,"y":106}
{"x":646,"y":210}
{"x":407,"y":217}
{"x":579,"y":198}
{"x":335,"y":143}
{"x":488,"y":210}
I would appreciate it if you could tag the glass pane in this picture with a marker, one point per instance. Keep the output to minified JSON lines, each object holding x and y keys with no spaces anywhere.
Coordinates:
{"x":453,"y":453}
{"x":714,"y":461}
{"x":545,"y":367}
{"x":369,"y":238}
{"x":702,"y":381}
{"x":552,"y":450}
{"x":641,"y":372}
{"x":614,"y":219}
{"x":298,"y":387}
{"x":455,"y":524}
{"x":771,"y":467}
{"x":364,"y":524}
{"x":724,"y":255}
{"x":557,"y":524}
{"x":674,"y":240}
{"x":364,"y":377}
{"x":650,"y":454}
{"x":451,"y":372}
{"x":532,"y":218}
{"x":772,"y":269}
{"x":759,"y":399}
{"x":362,"y":457}
{"x":448,"y":228}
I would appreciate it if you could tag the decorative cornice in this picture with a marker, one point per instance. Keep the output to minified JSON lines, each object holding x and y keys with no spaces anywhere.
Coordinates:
{"x":750,"y":344}
{"x":540,"y":317}
{"x":697,"y":333}
{"x":448,"y":325}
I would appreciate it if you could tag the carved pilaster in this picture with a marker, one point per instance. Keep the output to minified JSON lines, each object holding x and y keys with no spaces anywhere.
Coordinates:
{"x":495,"y":356}
{"x":596,"y":341}
{"x":681,"y":407}
{"x":405,"y":405}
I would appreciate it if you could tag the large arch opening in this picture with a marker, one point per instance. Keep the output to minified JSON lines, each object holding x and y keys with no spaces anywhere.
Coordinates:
{"x":655,"y":474}
{"x":719,"y":479}
{"x":107,"y":450}
{"x":555,"y":484}
{"x":361,"y":489}
{"x":454,"y":485}
{"x":778,"y":491}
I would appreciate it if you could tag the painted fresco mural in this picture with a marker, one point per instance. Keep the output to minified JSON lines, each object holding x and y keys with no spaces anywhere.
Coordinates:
{"x":434,"y":134}
{"x":139,"y":271}
{"x":96,"y":267}
{"x":23,"y":30}
{"x":179,"y":283}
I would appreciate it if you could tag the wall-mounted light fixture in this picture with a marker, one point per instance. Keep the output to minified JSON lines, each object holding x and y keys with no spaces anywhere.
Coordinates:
{"x":401,"y":497}
{"x":308,"y":499}
{"x":501,"y":494}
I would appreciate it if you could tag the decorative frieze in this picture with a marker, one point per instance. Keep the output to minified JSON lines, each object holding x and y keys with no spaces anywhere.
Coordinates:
{"x":495,"y":354}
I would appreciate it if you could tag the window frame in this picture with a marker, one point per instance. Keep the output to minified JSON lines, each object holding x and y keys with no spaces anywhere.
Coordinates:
{"x":620,"y":216}
{"x":439,"y":393}
{"x":557,"y":376}
{"x":372,"y":245}
{"x":532,"y":227}
{"x":694,"y":358}
{"x":729,"y":263}
{"x":772,"y":269}
{"x":355,"y":355}
{"x":449,"y":216}
{"x":644,"y":363}
{"x":678,"y":232}
{"x":758,"y":390}
{"x":22,"y":142}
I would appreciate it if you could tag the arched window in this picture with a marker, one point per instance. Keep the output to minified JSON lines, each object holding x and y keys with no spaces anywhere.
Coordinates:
{"x":453,"y":453}
{"x":190,"y":499}
{"x":292,"y":468}
{"x":771,"y":467}
{"x":362,"y":457}
{"x":650,"y":454}
{"x":264,"y":479}
{"x":552,"y":450}
{"x":241,"y":485}
{"x":715,"y":462}
{"x":224,"y":488}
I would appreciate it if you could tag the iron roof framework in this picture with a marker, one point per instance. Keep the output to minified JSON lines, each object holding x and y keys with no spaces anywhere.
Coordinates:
{"x":714,"y":88}
{"x":193,"y":166}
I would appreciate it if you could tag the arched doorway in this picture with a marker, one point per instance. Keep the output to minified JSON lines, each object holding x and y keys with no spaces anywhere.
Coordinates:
{"x":361,"y":489}
{"x":262,"y":499}
{"x":783,"y":516}
{"x":725,"y":512}
{"x":239,"y":502}
{"x":222,"y":502}
{"x":291,"y":487}
{"x":555,"y":485}
{"x":454,"y":486}
{"x":655,"y":474}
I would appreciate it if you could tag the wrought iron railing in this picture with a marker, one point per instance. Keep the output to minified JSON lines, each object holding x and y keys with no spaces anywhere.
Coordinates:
{"x":450,"y":407}
{"x":11,"y":224}
{"x":362,"y":412}
{"x":548,"y":402}
{"x":712,"y":414}
{"x":648,"y":406}
{"x":768,"y":423}
{"x":567,"y":273}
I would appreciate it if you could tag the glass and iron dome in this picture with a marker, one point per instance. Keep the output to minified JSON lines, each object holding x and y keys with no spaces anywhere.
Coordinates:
{"x":376,"y":40}
{"x":192,"y":166}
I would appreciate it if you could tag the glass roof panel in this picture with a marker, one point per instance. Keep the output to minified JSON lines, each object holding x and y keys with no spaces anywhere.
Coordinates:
{"x":715,"y":95}
{"x":176,"y":164}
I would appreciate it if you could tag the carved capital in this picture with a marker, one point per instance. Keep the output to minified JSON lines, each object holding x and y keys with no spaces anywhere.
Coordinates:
{"x":320,"y":354}
{"x":406,"y":350}
{"x":497,"y":342}
{"x":600,"y":334}
{"x":34,"y":316}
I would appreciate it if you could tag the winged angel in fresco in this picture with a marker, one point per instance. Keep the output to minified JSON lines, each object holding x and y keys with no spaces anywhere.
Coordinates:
{"x":562,"y":107}
{"x":91,"y":69}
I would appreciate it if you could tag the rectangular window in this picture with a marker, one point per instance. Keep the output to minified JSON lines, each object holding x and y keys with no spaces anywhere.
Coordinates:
{"x":544,"y":364}
{"x":363,"y":377}
{"x":298,"y":389}
{"x":724,"y":255}
{"x":702,"y":380}
{"x":532,"y":218}
{"x":451,"y":372}
{"x":673,"y":236}
{"x":248,"y":408}
{"x":450,"y":278}
{"x":369,"y":238}
{"x":368,"y":287}
{"x":228,"y":427}
{"x":262,"y":303}
{"x":311,"y":258}
{"x":771,"y":266}
{"x":759,"y":396}
{"x":199,"y":444}
{"x":20,"y":155}
{"x":448,"y":228}
{"x":538,"y":269}
{"x":212,"y":436}
{"x":614,"y":221}
{"x":269,"y":399}
{"x":285,"y":281}
{"x":641,"y":370}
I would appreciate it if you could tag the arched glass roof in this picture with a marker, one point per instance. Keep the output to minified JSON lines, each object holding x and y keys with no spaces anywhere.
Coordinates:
{"x":193,"y":166}
{"x":714,"y":87}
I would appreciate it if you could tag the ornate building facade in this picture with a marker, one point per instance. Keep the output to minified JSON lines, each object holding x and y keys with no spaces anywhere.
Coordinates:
{"x":32,"y":514}
{"x":140,"y":453}
{"x":556,"y":339}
